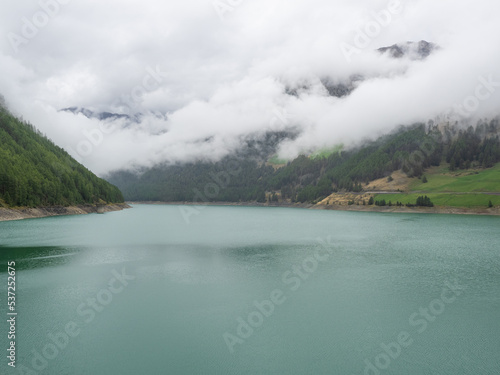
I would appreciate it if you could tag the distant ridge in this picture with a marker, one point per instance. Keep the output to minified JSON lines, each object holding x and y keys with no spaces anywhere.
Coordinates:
{"x":103,"y":115}
{"x":414,"y":50}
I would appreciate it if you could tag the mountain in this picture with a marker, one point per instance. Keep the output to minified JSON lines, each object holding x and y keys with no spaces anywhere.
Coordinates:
{"x":252,"y":176}
{"x":103,"y":116}
{"x":35,"y":172}
{"x":340,"y":88}
{"x":414,"y":50}
{"x":246,"y":171}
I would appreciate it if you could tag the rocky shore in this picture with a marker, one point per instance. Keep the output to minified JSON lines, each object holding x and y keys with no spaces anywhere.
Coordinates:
{"x":7,"y":214}
{"x":391,"y":209}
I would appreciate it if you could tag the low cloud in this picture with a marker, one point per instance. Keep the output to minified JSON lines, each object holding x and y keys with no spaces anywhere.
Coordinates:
{"x":219,"y":80}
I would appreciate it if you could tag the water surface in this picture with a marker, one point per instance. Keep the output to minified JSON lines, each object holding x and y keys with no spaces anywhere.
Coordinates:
{"x":149,"y":293}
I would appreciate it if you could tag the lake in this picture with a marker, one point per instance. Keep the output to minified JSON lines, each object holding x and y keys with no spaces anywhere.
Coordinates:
{"x":162,"y":289}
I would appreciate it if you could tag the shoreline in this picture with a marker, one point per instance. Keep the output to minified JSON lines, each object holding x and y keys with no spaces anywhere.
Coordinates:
{"x":353,"y":208}
{"x":11,"y":214}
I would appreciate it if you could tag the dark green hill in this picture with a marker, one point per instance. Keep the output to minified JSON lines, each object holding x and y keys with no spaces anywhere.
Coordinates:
{"x":34,"y":172}
{"x":411,"y":149}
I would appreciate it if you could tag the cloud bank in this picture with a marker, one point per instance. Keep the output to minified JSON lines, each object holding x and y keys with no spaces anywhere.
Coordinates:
{"x":220,"y":70}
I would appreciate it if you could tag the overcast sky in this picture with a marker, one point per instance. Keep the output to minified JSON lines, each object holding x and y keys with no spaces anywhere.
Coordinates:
{"x":219,"y":70}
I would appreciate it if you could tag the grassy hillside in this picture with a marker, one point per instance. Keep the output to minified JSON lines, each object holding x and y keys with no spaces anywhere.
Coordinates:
{"x":326,"y":152}
{"x":466,"y":188}
{"x":35,"y":172}
{"x":443,"y":180}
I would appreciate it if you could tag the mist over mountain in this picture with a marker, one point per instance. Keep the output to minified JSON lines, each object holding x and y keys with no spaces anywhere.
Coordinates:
{"x":301,"y":89}
{"x":413,"y":50}
{"x":260,"y":67}
{"x":103,"y":116}
{"x":251,"y":175}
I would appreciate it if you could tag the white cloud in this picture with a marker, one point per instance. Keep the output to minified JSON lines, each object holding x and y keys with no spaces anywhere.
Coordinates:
{"x":221,"y":80}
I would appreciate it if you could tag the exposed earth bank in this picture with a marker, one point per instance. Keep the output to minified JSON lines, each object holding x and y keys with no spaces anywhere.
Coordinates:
{"x":7,"y":214}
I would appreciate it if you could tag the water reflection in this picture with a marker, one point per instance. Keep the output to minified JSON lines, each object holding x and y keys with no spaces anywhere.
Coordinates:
{"x":37,"y":257}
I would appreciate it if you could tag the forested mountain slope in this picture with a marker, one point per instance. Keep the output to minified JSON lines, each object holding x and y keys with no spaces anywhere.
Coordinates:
{"x":35,"y":172}
{"x":244,"y":178}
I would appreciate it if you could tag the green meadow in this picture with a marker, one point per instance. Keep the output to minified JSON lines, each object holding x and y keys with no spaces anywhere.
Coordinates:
{"x":453,"y":189}
{"x":442,"y":180}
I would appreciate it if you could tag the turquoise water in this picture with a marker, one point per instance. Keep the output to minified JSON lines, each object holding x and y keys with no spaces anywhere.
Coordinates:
{"x":242,"y":290}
